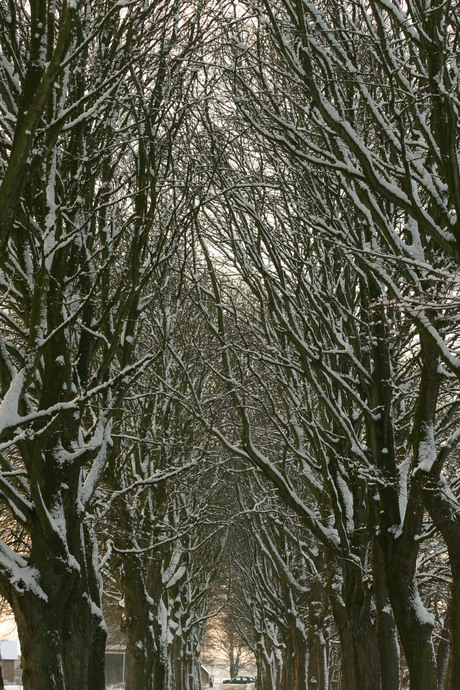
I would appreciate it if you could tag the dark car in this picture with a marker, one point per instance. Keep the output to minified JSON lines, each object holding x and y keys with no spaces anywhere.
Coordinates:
{"x":240,"y":680}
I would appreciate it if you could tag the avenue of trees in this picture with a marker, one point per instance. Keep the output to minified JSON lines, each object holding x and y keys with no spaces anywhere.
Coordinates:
{"x":229,"y":339}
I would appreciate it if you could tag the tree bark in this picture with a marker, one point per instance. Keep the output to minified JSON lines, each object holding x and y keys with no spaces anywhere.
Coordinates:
{"x":357,"y":598}
{"x":317,"y":662}
{"x":267,"y":666}
{"x":387,"y":638}
{"x":61,"y":631}
{"x":415,"y":625}
{"x":148,"y":652}
{"x":139,"y":644}
{"x":347,"y":674}
{"x":289,"y":670}
{"x":56,"y":646}
{"x":39,"y":627}
{"x":443,"y":652}
{"x":445,"y":513}
{"x":318,"y":671}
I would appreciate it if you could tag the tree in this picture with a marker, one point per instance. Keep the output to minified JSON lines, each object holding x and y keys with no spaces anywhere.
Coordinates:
{"x":80,"y":241}
{"x":333,"y":158}
{"x":394,"y":163}
{"x":157,"y":511}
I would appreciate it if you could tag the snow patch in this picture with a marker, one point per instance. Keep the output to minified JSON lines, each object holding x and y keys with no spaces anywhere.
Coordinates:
{"x":423,"y":615}
{"x":427,"y":449}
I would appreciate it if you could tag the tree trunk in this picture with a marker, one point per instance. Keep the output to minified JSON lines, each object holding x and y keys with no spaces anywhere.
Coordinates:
{"x":445,"y":513}
{"x":454,"y":676}
{"x":138,"y":660}
{"x":96,"y":666}
{"x":347,"y":667}
{"x":266,"y":668}
{"x":59,"y":619}
{"x":83,"y":645}
{"x":161,"y":661}
{"x":84,"y":632}
{"x":39,"y":629}
{"x":357,"y":598}
{"x":56,"y":655}
{"x":289,"y":670}
{"x":186,"y":662}
{"x":318,"y":670}
{"x":323,"y":663}
{"x":414,"y":623}
{"x":263,"y":672}
{"x":443,"y":652}
{"x":416,"y":636}
{"x":139,"y":646}
{"x":387,"y":638}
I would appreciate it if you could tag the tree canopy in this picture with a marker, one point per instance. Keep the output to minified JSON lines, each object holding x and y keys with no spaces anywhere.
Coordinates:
{"x":229,"y":339}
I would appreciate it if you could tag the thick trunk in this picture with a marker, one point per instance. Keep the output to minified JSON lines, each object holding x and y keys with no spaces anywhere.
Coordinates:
{"x":301,"y":660}
{"x":288,"y":675}
{"x":416,"y":636}
{"x":96,"y":666}
{"x":387,"y":638}
{"x":139,"y":667}
{"x":348,"y":680}
{"x":268,"y":682}
{"x":83,"y":646}
{"x":414,"y":623}
{"x":55,"y":656}
{"x":318,"y":671}
{"x":84,"y":631}
{"x":323,"y":661}
{"x":185,"y":663}
{"x":357,"y":598}
{"x":139,"y":643}
{"x":266,"y":668}
{"x":445,"y":513}
{"x":400,"y":549}
{"x":60,"y":624}
{"x":454,"y":679}
{"x":180,"y":668}
{"x":40,"y":634}
{"x":161,"y":661}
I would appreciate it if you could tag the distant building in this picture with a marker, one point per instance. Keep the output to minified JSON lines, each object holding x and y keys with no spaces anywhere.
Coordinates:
{"x":206,"y":677}
{"x":9,"y":650}
{"x":114,"y":665}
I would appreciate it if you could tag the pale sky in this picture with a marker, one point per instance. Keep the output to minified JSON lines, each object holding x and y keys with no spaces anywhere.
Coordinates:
{"x":8,"y":629}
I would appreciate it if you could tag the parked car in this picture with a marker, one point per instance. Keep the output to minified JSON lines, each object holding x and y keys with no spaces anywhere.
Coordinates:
{"x":240,"y":680}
